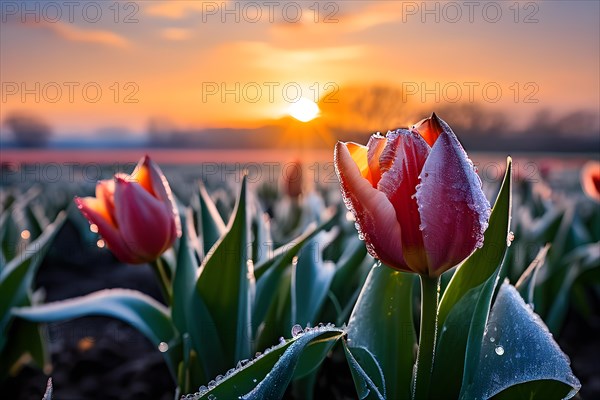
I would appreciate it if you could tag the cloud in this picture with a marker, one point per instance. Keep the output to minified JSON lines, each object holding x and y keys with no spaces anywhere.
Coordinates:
{"x":74,"y":34}
{"x":173,"y":9}
{"x":332,"y":23}
{"x":176,"y":34}
{"x":268,"y":57}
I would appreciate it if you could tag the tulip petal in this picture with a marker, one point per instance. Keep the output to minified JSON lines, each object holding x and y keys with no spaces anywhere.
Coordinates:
{"x":375,"y":215}
{"x":149,"y":175}
{"x":359,"y":154}
{"x":429,"y":128}
{"x":143,"y":220}
{"x":105,"y":192}
{"x":95,"y":211}
{"x":454,"y":211}
{"x":590,"y":179}
{"x":375,"y":147}
{"x":409,"y":152}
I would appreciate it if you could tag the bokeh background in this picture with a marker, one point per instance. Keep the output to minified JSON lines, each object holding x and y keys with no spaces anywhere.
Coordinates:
{"x":225,"y":74}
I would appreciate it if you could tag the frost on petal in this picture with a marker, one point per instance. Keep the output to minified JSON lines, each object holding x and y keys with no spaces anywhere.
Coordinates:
{"x":144,"y":222}
{"x":399,"y":184}
{"x":454,"y":211}
{"x":375,"y":147}
{"x":375,"y":215}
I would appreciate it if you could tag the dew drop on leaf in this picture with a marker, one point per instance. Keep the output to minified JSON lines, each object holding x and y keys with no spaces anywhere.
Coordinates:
{"x":297,"y":330}
{"x":499,"y":350}
{"x":163,"y":347}
{"x":509,"y":238}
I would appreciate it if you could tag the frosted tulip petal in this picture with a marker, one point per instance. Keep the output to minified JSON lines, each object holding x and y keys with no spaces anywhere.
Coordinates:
{"x":375,"y":147}
{"x":454,"y":211}
{"x":399,"y":184}
{"x":374,"y":213}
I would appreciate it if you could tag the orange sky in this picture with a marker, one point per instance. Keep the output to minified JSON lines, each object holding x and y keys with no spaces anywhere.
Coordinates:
{"x":174,"y":59}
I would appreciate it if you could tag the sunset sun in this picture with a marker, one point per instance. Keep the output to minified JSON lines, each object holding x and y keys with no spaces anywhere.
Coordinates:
{"x":304,"y":110}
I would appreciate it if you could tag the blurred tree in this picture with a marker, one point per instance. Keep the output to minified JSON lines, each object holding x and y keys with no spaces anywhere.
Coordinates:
{"x":29,"y":130}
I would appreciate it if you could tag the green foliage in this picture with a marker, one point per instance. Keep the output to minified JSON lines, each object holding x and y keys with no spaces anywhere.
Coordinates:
{"x":231,"y":300}
{"x":16,"y":279}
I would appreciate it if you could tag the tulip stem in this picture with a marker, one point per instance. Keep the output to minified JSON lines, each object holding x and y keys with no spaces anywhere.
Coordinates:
{"x":163,"y":280}
{"x":427,"y":337}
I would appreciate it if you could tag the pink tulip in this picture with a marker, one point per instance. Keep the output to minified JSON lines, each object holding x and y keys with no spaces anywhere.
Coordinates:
{"x":135,"y":214}
{"x":590,"y":179}
{"x":416,"y":197}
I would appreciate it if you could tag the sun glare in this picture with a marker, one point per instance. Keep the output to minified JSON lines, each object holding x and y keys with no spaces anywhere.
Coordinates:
{"x":304,"y":110}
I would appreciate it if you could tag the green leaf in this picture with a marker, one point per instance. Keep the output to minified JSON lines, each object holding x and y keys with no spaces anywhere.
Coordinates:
{"x":267,"y":376}
{"x":477,"y":329}
{"x":23,"y":337}
{"x":226,"y":282}
{"x":382,"y":323}
{"x":541,"y":390}
{"x":184,"y":279}
{"x":464,"y":308}
{"x":485,"y":260}
{"x":349,"y":275}
{"x":270,"y":273}
{"x":209,"y":224}
{"x":312,"y":280}
{"x":519,"y":350}
{"x":285,"y":253}
{"x":137,"y":309}
{"x":17,"y":277}
{"x":366,"y":373}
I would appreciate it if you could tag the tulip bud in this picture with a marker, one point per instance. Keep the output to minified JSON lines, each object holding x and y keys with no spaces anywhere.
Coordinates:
{"x":590,"y":179}
{"x":135,"y":214}
{"x":416,"y":197}
{"x":292,"y":179}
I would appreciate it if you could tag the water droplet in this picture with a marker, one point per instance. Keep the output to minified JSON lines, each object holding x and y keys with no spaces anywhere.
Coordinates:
{"x":254,"y":380}
{"x":163,"y":347}
{"x":297,"y":330}
{"x":509,"y":238}
{"x":492,"y":339}
{"x":281,"y":340}
{"x":499,"y":350}
{"x":25,"y":234}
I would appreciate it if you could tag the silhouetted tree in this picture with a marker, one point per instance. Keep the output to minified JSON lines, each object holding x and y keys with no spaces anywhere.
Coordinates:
{"x":29,"y":130}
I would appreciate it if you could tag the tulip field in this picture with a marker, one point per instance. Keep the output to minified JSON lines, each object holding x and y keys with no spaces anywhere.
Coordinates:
{"x":410,"y":269}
